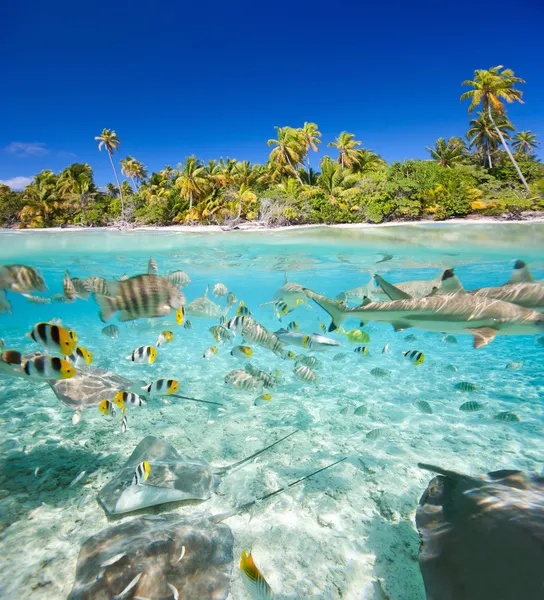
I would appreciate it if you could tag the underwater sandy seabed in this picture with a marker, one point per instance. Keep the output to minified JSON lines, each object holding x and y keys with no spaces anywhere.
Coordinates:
{"x":348,"y":533}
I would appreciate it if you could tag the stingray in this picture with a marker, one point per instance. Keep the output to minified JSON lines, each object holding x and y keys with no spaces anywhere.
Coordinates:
{"x":173,"y":477}
{"x":482,"y":538}
{"x":203,"y":307}
{"x":159,"y":557}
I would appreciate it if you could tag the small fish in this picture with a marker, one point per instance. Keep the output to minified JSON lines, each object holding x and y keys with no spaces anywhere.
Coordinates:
{"x":451,"y":368}
{"x":361,"y":350}
{"x":424,"y":407}
{"x":141,"y":473}
{"x":210,"y":352}
{"x":471,"y":406}
{"x":80,"y":357}
{"x":243,"y":310}
{"x":55,"y":338}
{"x":21,"y":279}
{"x":242,"y":380}
{"x":357,"y":336}
{"x":231,"y":300}
{"x":113,"y":560}
{"x":514,"y":366}
{"x":323,"y":328}
{"x":410,"y":338}
{"x":143,"y":355}
{"x":60,"y":299}
{"x":280,"y":309}
{"x":174,"y":591}
{"x":306,"y":374}
{"x":112,"y":331}
{"x":385,"y":258}
{"x":344,"y":411}
{"x":291,"y":355}
{"x":68,"y":287}
{"x":293,"y":326}
{"x":374,"y":434}
{"x":241,"y":352}
{"x":124,"y":423}
{"x":37,"y":299}
{"x":77,"y":479}
{"x":385,"y":349}
{"x":223,"y":320}
{"x":165,"y":338}
{"x":341,"y":357}
{"x":179,"y":278}
{"x":162,"y":387}
{"x":415,"y":357}
{"x":220,"y":333}
{"x":106,"y":407}
{"x":507,"y":417}
{"x":236,"y":324}
{"x":81,"y":287}
{"x":48,"y":367}
{"x":466,"y":386}
{"x":255,"y":584}
{"x":361,"y":411}
{"x":307,"y":342}
{"x":152,"y":268}
{"x":379,"y":372}
{"x":124,"y":399}
{"x":219,"y":290}
{"x":180,"y":316}
{"x":142,"y":296}
{"x":262,"y":400}
{"x":131,"y":585}
{"x":449,"y":339}
{"x":307,"y":361}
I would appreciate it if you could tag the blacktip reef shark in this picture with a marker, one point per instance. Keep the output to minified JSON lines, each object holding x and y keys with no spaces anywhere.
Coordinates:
{"x":454,"y":313}
{"x":520,"y":289}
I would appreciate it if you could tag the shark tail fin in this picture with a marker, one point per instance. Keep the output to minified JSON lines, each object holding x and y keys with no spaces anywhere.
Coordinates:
{"x":449,"y":284}
{"x":335,"y":309}
{"x":392,"y":291}
{"x":227,"y":469}
{"x":520,"y":274}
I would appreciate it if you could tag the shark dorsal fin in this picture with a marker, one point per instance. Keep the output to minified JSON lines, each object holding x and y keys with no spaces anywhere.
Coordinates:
{"x":285,"y":280}
{"x":449,"y":284}
{"x":392,"y":291}
{"x":520,"y":274}
{"x":206,"y":292}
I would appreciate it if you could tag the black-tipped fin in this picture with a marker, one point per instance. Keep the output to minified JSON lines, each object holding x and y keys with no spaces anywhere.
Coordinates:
{"x":521,"y":274}
{"x":393,"y":292}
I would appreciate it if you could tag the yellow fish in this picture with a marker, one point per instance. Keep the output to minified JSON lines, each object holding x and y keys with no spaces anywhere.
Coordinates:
{"x":48,"y":367}
{"x":415,"y":357}
{"x":54,"y":337}
{"x":80,"y":357}
{"x":262,"y":399}
{"x":357,"y":336}
{"x":255,"y":584}
{"x":165,"y":338}
{"x":106,"y":408}
{"x":141,"y":473}
{"x":180,"y":315}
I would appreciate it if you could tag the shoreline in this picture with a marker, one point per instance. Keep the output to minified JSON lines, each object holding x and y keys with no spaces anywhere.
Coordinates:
{"x":252,"y":226}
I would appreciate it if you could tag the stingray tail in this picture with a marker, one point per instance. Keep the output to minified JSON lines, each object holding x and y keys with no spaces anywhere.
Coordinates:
{"x":195,"y":399}
{"x":244,"y":507}
{"x":224,"y":470}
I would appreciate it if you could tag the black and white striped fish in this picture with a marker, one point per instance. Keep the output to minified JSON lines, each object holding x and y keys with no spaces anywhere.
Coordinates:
{"x":162,"y":387}
{"x":48,"y":367}
{"x":143,"y":355}
{"x":141,"y":473}
{"x":21,"y":279}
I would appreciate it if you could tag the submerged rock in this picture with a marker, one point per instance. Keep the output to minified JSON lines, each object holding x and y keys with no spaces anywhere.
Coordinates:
{"x":156,"y":558}
{"x":482,"y":538}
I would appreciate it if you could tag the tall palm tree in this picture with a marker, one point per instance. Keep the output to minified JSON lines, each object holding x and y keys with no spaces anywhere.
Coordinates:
{"x":447,"y":153}
{"x":346,"y":144}
{"x":491,"y":88}
{"x":110,"y":142}
{"x":130,"y":167}
{"x":525,"y":142}
{"x":310,"y":135}
{"x":288,"y":151}
{"x":191,"y":179}
{"x":483,"y":135}
{"x":336,"y":181}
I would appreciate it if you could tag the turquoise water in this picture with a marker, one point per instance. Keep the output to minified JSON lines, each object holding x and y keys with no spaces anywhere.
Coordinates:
{"x":347,"y":533}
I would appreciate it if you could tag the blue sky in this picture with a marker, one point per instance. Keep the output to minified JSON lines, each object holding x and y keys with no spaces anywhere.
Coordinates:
{"x":215,"y":78}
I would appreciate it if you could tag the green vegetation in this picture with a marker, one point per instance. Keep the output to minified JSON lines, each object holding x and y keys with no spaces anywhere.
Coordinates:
{"x":484,"y":174}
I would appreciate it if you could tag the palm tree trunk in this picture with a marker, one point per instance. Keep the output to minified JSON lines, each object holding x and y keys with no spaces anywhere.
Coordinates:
{"x":342,"y":159}
{"x":294,"y":169}
{"x":135,"y":186}
{"x":309,"y":170}
{"x":190,"y":199}
{"x":489,"y":157}
{"x":118,"y":186}
{"x":508,"y":151}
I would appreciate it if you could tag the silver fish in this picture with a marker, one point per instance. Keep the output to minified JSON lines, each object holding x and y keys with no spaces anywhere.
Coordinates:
{"x":68,"y":287}
{"x":204,"y":308}
{"x":112,"y":331}
{"x":21,"y":279}
{"x":219,"y":290}
{"x":306,"y":374}
{"x":152,"y":268}
{"x":242,"y":380}
{"x":179,"y":278}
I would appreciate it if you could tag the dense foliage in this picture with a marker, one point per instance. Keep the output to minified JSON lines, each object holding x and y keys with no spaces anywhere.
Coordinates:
{"x":494,"y":172}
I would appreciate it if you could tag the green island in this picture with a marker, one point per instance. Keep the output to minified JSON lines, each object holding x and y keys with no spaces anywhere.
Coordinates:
{"x":492,"y":171}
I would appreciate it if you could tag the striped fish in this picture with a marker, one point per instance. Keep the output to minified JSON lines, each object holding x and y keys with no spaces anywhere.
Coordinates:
{"x":466,"y":386}
{"x":82,"y":288}
{"x":507,"y":417}
{"x":48,"y":367}
{"x":143,"y":355}
{"x":179,"y":278}
{"x":424,"y":407}
{"x":124,"y":423}
{"x":106,"y":407}
{"x":219,"y":290}
{"x":21,"y":279}
{"x":307,"y":361}
{"x":141,"y":473}
{"x":37,"y":299}
{"x":68,"y":287}
{"x":81,"y":357}
{"x":162,"y":387}
{"x":112,"y":331}
{"x":54,"y":337}
{"x":187,"y":324}
{"x":152,"y":268}
{"x":242,"y":380}
{"x":97,"y":285}
{"x":123,"y":399}
{"x":220,"y":333}
{"x":306,"y":374}
{"x":231,"y":300}
{"x":361,"y":350}
{"x":269,"y":381}
{"x":471,"y":406}
{"x":254,"y":582}
{"x":414,"y":356}
{"x":142,"y":296}
{"x":255,"y":332}
{"x":379,"y":372}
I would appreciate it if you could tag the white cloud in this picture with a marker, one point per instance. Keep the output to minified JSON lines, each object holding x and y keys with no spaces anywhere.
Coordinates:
{"x":17,"y":183}
{"x":27,"y":149}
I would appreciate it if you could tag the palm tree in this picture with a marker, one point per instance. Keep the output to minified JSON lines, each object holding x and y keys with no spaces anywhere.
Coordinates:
{"x":76,"y":185}
{"x":191,"y":179}
{"x":366,"y":160}
{"x":112,"y":190}
{"x":130,"y":167}
{"x":491,"y":88}
{"x":483,"y":136}
{"x":525,"y":142}
{"x":288,"y":151}
{"x":336,"y":181}
{"x":346,"y":145}
{"x":447,"y":153}
{"x":310,"y":135}
{"x":110,"y":142}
